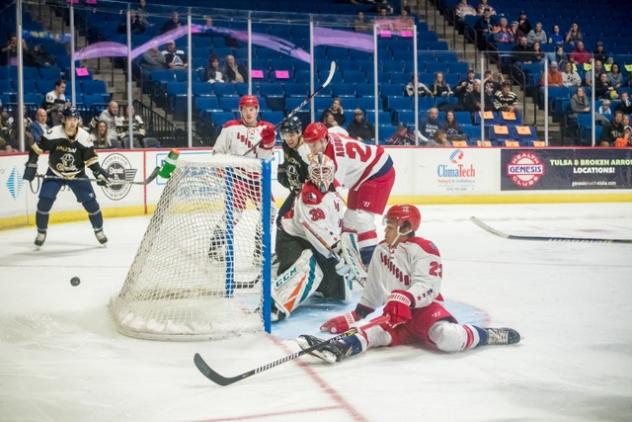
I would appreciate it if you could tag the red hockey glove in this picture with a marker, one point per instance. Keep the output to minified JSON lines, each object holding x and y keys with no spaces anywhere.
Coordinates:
{"x":399,"y":307}
{"x":268,"y":136}
{"x":341,"y":323}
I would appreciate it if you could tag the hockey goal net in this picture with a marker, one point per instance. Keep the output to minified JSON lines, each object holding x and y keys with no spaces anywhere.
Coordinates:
{"x":202,"y":268}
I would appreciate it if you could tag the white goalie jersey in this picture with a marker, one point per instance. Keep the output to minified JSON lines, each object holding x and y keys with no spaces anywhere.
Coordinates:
{"x":321,"y":212}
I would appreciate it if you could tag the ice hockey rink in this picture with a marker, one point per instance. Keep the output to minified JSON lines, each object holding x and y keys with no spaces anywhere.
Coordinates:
{"x":61,"y":358}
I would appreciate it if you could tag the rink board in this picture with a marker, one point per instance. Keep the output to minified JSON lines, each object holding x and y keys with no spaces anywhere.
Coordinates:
{"x":423,"y":176}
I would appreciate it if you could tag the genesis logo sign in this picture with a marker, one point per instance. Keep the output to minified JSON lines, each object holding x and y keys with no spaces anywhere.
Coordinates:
{"x":525,"y":169}
{"x":120,"y":169}
{"x":15,"y":183}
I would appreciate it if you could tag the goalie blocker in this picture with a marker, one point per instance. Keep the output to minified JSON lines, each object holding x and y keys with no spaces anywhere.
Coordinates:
{"x":313,"y":254}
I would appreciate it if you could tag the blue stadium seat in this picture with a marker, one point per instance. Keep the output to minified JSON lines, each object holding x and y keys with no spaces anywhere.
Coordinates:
{"x":49,"y":73}
{"x":229,"y":103}
{"x":224,"y":89}
{"x":400,"y":103}
{"x":206,"y":103}
{"x":221,"y":117}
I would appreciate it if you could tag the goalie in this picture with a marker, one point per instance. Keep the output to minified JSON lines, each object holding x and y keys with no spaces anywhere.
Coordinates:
{"x":313,"y":255}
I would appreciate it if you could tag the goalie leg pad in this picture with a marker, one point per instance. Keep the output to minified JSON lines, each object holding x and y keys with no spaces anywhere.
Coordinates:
{"x":351,"y":264}
{"x":297,"y":283}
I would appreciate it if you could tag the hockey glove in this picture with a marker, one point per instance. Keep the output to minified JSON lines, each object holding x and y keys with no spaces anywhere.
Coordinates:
{"x":399,"y":307}
{"x":103,"y":177}
{"x":29,"y":171}
{"x":268,"y":136}
{"x":341,"y":323}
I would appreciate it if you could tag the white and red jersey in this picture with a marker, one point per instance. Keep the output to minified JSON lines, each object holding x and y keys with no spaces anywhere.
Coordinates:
{"x":237,"y":138}
{"x":356,"y":161}
{"x":322,"y":212}
{"x":413,"y":265}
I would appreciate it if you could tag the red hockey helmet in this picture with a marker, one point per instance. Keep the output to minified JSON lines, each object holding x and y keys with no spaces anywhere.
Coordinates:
{"x":248,"y":101}
{"x":405,"y":214}
{"x":314,"y":132}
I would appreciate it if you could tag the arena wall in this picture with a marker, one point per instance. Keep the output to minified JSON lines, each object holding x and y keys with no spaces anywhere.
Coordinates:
{"x":424,"y":176}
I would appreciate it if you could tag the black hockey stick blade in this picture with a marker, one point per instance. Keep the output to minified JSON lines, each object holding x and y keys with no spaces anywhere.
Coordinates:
{"x":208,"y":372}
{"x":499,"y":233}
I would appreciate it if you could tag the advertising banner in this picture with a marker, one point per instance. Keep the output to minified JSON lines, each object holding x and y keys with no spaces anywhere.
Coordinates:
{"x":566,"y":169}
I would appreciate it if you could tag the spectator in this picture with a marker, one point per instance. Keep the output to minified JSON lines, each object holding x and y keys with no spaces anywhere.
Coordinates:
{"x":553,"y":77}
{"x":603,"y":89}
{"x":463,"y":9}
{"x":440,"y":139}
{"x":100,"y":136}
{"x":110,"y":116}
{"x":521,"y":53}
{"x":55,"y":101}
{"x":505,"y":99}
{"x":515,"y":32}
{"x":491,"y":84}
{"x":422,"y":89}
{"x":466,"y":85}
{"x":579,"y":102}
{"x":597,"y":71}
{"x":142,"y":13}
{"x":9,"y":53}
{"x":625,"y":105}
{"x":337,"y":111}
{"x":484,"y":27}
{"x":574,"y":34}
{"x":360,"y":24}
{"x":537,"y":34}
{"x":556,"y":38}
{"x":41,"y":58}
{"x":440,"y":87}
{"x":600,"y":53}
{"x":624,"y":141}
{"x":472,"y":99}
{"x":537,"y":55}
{"x":570,"y":77}
{"x":173,"y":23}
{"x":523,"y":23}
{"x":234,"y":72}
{"x":615,"y":77}
{"x":213,"y":72}
{"x":174,"y":58}
{"x":138,"y":129}
{"x":404,"y":136}
{"x":153,"y":59}
{"x":137,"y":25}
{"x":604,"y":110}
{"x":39,"y":126}
{"x":558,"y":56}
{"x":359,"y":128}
{"x":405,"y":7}
{"x":332,"y":124}
{"x":503,"y":34}
{"x":616,"y":129}
{"x":451,"y":127}
{"x":482,"y":6}
{"x":580,"y":55}
{"x":431,"y":125}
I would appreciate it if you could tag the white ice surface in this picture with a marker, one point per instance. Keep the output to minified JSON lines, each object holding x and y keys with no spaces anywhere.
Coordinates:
{"x":62,"y":360}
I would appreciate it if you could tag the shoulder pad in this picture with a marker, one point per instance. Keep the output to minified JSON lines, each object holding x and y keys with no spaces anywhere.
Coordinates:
{"x":426,"y":245}
{"x":311,"y":195}
{"x":83,"y":137}
{"x":233,"y":122}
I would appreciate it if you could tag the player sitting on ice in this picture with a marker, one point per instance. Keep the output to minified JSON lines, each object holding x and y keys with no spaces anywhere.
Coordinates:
{"x":71,"y":151}
{"x":307,"y":234}
{"x":238,"y":137}
{"x":405,"y":277}
{"x":366,"y":170}
{"x":292,"y":173}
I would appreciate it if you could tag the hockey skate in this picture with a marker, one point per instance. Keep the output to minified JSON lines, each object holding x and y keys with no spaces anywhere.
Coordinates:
{"x":40,"y":238}
{"x":501,"y":336}
{"x":332,"y":352}
{"x":101,"y":237}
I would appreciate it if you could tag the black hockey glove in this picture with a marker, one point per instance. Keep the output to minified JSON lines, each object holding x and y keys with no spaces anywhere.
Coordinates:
{"x":103,"y":177}
{"x":29,"y":171}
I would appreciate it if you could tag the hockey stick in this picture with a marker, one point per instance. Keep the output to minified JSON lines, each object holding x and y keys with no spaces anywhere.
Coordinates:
{"x":209,"y":373}
{"x":147,"y":181}
{"x":548,"y":238}
{"x":322,"y":241}
{"x":330,"y":76}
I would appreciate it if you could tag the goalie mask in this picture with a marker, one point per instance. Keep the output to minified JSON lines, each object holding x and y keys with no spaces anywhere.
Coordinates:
{"x":321,"y":171}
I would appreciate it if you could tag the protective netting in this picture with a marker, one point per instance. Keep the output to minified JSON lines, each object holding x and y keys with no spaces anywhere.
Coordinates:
{"x":197,"y":273}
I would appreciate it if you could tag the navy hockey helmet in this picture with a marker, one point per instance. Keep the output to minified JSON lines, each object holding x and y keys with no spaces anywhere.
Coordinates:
{"x":292,"y":125}
{"x":72,"y":112}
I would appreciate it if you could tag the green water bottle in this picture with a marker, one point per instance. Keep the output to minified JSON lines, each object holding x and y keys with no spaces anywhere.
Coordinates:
{"x":169,"y":165}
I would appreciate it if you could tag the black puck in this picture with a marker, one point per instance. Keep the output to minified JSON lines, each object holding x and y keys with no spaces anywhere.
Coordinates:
{"x":75,"y":281}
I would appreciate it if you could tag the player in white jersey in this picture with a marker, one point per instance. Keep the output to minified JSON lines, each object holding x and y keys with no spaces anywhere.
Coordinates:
{"x":246,"y":137}
{"x":306,"y":236}
{"x":366,"y":170}
{"x":405,"y":276}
